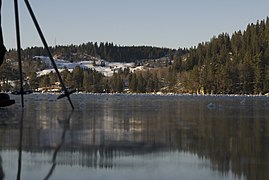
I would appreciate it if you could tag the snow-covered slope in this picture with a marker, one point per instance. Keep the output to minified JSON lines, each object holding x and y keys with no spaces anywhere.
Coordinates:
{"x":105,"y":67}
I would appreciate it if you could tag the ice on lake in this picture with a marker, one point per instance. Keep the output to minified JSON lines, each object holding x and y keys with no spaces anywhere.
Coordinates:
{"x":116,"y":136}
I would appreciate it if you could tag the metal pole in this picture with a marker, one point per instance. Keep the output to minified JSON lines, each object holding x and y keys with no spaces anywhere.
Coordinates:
{"x":20,"y":147}
{"x":66,"y":93}
{"x":19,"y":49}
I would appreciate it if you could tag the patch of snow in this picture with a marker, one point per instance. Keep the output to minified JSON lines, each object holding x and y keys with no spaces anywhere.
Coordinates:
{"x":107,"y":69}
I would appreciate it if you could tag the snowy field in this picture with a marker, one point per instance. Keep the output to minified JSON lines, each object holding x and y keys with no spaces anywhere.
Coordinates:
{"x":102,"y":66}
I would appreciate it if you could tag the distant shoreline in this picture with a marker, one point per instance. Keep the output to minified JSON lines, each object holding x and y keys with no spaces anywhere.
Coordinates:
{"x":152,"y":94}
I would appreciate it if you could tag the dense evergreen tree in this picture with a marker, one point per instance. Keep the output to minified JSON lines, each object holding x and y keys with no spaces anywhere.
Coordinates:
{"x":117,"y":83}
{"x":77,"y":76}
{"x":141,"y":84}
{"x":45,"y":81}
{"x":33,"y":81}
{"x":133,"y":82}
{"x":86,"y":81}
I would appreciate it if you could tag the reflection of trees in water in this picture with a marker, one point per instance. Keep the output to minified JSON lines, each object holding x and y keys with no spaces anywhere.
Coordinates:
{"x":233,"y":138}
{"x":2,"y":175}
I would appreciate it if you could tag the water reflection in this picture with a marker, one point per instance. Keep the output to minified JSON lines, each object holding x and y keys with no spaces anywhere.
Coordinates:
{"x":20,"y":146}
{"x":2,"y":175}
{"x":233,"y":135}
{"x":65,"y":124}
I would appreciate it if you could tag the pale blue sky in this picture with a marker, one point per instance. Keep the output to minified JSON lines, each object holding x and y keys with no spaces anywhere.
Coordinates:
{"x":163,"y":23}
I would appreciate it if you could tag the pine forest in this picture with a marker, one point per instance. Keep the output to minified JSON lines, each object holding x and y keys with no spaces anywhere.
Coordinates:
{"x":226,"y":64}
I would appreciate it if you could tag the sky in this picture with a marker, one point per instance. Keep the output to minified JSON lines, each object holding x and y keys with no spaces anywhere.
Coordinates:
{"x":162,"y":23}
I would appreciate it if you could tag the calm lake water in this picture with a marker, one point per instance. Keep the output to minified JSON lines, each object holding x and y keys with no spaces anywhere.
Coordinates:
{"x":135,"y":137}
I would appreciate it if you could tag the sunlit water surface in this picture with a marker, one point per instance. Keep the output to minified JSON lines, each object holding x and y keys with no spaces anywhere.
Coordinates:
{"x":135,"y":137}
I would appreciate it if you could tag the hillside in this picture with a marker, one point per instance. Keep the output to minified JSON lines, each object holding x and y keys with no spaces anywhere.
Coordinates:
{"x":104,"y":67}
{"x":237,"y":64}
{"x":77,"y":59}
{"x":227,"y":64}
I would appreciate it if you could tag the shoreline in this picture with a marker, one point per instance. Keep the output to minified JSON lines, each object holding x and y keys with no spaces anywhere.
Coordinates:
{"x":150,"y":94}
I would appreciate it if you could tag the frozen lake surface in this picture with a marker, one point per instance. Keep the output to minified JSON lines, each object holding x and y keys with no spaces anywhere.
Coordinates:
{"x":135,"y":137}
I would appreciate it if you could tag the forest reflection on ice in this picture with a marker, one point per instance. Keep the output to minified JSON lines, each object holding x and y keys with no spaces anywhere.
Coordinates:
{"x":137,"y":137}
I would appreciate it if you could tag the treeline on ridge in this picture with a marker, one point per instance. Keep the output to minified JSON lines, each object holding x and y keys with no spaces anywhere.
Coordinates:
{"x":227,"y":64}
{"x":107,"y":51}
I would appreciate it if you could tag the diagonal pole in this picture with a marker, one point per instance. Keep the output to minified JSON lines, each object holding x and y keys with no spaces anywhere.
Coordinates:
{"x":20,"y":147}
{"x":59,"y":146}
{"x":66,"y":93}
{"x":19,"y":49}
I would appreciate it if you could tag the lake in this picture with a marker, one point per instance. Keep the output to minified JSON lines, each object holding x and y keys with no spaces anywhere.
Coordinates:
{"x":135,"y":137}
